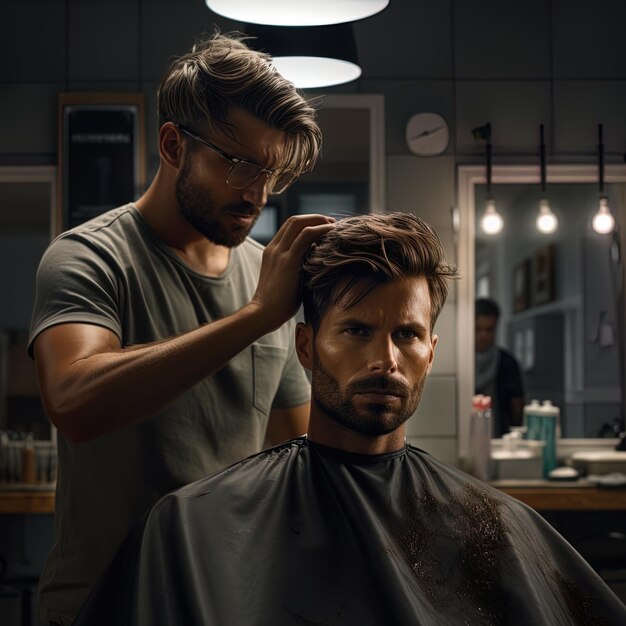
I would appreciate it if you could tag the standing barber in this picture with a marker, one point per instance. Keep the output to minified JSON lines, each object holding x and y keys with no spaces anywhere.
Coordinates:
{"x":498,"y":373}
{"x":159,"y":330}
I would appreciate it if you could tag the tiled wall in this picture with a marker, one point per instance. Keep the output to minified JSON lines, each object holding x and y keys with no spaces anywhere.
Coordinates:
{"x":515,"y":64}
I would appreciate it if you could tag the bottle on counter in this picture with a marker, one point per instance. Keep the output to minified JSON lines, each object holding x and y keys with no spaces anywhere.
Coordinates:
{"x":551,"y":428}
{"x":532,"y":419}
{"x":542,"y":421}
{"x":480,"y":437}
{"x":29,"y":469}
{"x":4,"y":456}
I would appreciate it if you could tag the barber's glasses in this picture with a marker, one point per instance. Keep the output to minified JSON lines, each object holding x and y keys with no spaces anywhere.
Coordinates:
{"x":244,"y":173}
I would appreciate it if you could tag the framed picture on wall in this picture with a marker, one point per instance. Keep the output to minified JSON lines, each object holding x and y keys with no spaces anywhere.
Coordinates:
{"x":543,"y":276}
{"x":101,"y":153}
{"x":521,"y":286}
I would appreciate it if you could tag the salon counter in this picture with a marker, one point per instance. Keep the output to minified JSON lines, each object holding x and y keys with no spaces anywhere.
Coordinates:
{"x":541,"y":495}
{"x":579,"y":495}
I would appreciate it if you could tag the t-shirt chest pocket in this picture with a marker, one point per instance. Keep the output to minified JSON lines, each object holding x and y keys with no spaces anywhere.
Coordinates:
{"x":267,"y":364}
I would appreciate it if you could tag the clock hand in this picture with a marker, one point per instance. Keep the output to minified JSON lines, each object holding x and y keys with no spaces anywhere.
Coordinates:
{"x":427,"y":132}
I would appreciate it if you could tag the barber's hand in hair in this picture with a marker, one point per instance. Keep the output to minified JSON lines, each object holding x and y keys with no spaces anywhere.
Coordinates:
{"x":277,"y":291}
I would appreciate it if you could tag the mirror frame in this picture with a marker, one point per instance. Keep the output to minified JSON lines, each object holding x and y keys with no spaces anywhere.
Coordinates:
{"x":37,"y":174}
{"x":375,"y":104}
{"x":468,"y":177}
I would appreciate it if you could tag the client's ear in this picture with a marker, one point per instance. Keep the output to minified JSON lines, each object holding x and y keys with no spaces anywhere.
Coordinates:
{"x":304,"y":344}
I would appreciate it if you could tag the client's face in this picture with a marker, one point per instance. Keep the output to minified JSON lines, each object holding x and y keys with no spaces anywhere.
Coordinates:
{"x":369,"y":362}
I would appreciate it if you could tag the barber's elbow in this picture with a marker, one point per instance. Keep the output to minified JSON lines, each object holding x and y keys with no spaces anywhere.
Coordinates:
{"x":68,"y":421}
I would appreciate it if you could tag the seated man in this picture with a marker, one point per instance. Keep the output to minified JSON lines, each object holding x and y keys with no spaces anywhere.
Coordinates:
{"x":350,"y":525}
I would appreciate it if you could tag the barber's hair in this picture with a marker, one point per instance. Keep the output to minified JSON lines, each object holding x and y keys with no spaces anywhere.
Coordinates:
{"x":201,"y":87}
{"x":370,"y":250}
{"x":487,"y":307}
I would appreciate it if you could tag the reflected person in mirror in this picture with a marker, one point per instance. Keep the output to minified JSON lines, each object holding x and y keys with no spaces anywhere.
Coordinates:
{"x":350,"y":524}
{"x":163,"y":334}
{"x":497,"y":372}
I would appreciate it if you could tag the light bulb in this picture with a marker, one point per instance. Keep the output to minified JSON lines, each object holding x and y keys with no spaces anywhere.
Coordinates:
{"x":491,"y":222}
{"x":603,"y":222}
{"x":546,"y":220}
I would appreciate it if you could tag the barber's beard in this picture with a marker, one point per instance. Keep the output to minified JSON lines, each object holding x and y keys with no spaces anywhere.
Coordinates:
{"x":377,"y":419}
{"x":199,"y":209}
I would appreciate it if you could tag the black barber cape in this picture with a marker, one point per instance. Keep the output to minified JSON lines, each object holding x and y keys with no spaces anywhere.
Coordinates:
{"x":302,"y":534}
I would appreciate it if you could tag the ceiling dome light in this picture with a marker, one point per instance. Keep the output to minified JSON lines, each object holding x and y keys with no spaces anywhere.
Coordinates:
{"x":309,"y":56}
{"x":310,"y":72}
{"x":296,"y":12}
{"x":547,"y":221}
{"x":603,"y":222}
{"x":491,"y":222}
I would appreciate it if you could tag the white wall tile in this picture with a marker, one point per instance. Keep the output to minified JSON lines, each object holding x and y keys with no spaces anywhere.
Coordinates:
{"x":436,"y":414}
{"x":579,"y":106}
{"x":445,"y":351}
{"x":103,"y":41}
{"x":588,"y":38}
{"x":415,"y":36}
{"x":424,"y":187}
{"x":515,"y":110}
{"x":495,"y":39}
{"x":32,"y":41}
{"x":170,"y":27}
{"x":442,"y":448}
{"x":28,"y":118}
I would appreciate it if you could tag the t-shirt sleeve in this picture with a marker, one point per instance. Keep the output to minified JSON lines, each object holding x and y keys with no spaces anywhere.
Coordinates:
{"x":294,"y":388}
{"x":74,"y":284}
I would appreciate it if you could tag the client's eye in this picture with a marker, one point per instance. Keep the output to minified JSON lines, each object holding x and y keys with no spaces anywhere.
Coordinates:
{"x":407,"y":333}
{"x":356,"y":331}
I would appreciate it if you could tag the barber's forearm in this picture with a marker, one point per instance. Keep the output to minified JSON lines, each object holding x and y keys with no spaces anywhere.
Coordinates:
{"x":108,"y":390}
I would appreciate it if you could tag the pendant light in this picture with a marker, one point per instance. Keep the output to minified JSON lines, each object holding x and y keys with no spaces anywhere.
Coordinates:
{"x":296,"y":12}
{"x":547,"y":222}
{"x":309,"y":56}
{"x":603,"y":221}
{"x":491,"y":222}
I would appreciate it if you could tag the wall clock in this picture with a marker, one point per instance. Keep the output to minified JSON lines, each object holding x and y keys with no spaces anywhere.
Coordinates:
{"x":427,"y":134}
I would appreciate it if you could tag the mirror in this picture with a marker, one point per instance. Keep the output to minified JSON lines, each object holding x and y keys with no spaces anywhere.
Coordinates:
{"x":560,"y":295}
{"x":27,"y":198}
{"x":349,"y":175}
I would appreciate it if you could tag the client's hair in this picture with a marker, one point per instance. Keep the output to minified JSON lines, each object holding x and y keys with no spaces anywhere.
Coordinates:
{"x":373,"y":249}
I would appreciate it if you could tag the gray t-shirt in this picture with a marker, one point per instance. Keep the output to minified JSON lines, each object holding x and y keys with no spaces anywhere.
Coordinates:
{"x":114,"y":272}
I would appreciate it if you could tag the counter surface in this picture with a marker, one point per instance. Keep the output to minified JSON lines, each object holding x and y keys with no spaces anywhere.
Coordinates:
{"x":579,"y":495}
{"x":541,"y":495}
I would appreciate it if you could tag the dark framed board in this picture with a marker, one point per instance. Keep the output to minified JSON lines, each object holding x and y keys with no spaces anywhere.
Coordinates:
{"x":101,"y":154}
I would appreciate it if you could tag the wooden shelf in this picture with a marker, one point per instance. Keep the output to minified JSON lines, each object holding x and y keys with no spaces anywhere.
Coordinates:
{"x":38,"y":501}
